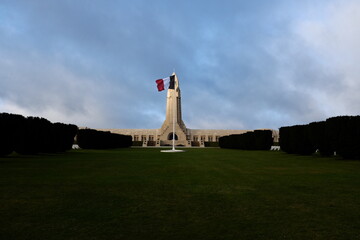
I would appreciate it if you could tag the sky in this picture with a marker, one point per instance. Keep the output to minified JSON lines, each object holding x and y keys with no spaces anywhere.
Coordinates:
{"x":240,"y":64}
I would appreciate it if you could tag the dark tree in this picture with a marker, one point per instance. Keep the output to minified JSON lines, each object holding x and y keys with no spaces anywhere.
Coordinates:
{"x":93,"y":139}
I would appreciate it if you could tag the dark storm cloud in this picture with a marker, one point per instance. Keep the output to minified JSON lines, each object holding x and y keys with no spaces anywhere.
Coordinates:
{"x":241,"y":64}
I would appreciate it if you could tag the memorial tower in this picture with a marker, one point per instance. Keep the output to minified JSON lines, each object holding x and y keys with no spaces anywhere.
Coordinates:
{"x":173,"y":107}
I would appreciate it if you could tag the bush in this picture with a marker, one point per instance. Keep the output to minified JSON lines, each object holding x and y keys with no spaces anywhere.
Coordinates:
{"x":33,"y":135}
{"x":263,"y":139}
{"x":64,"y":136}
{"x":245,"y":141}
{"x":284,"y":139}
{"x":195,"y":143}
{"x":41,"y":136}
{"x":93,"y":139}
{"x":295,"y":140}
{"x":223,"y":141}
{"x":137,"y":143}
{"x":211,"y":144}
{"x":337,"y":134}
{"x":317,"y":136}
{"x":344,"y":135}
{"x":10,"y":128}
{"x":303,"y":142}
{"x":257,"y":140}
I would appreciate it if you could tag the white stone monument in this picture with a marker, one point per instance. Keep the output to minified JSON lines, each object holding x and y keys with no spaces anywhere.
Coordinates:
{"x":173,"y":126}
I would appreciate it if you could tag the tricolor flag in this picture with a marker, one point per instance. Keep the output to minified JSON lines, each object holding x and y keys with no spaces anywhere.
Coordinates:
{"x":164,"y":83}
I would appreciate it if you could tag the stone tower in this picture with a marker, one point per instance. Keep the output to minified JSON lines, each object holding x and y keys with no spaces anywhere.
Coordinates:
{"x":173,"y":106}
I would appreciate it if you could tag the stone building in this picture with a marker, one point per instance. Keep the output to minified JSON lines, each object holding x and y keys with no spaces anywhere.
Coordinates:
{"x":173,"y":121}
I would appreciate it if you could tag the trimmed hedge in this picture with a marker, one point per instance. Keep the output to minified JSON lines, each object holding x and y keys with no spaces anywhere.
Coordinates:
{"x":344,"y":136}
{"x":93,"y":139}
{"x":211,"y":144}
{"x":10,"y":125}
{"x":296,"y":140}
{"x":195,"y":143}
{"x":337,"y":134}
{"x":263,"y":139}
{"x":137,"y":143}
{"x":317,"y":138}
{"x":33,"y":135}
{"x":257,"y":140}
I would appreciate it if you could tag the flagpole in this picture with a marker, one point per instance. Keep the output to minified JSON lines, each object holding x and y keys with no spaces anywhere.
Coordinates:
{"x":174,"y":113}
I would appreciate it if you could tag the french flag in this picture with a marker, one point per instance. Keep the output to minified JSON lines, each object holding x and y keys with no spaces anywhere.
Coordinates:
{"x":168,"y":82}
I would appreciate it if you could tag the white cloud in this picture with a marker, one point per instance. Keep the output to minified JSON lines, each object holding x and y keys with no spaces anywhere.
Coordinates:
{"x":33,"y":87}
{"x":241,"y":64}
{"x":335,"y":41}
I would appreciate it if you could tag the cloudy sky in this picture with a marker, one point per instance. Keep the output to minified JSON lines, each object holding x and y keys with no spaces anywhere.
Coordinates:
{"x":241,"y":64}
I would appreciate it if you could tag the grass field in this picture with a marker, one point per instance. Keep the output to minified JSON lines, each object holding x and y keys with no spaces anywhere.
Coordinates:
{"x":199,"y":194}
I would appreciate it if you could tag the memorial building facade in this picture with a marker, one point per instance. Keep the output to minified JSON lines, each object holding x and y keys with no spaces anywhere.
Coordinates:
{"x":174,"y":123}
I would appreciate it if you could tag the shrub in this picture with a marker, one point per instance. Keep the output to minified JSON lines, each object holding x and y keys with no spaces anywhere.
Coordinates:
{"x":285,"y":140}
{"x":9,"y":128}
{"x":263,"y":139}
{"x":295,"y":140}
{"x":195,"y":143}
{"x":223,"y":141}
{"x":211,"y":144}
{"x":317,"y":136}
{"x":28,"y":141}
{"x":337,"y":134}
{"x":257,"y":140}
{"x":137,"y":143}
{"x":93,"y":139}
{"x":33,"y":135}
{"x":345,"y":136}
{"x":64,"y":135}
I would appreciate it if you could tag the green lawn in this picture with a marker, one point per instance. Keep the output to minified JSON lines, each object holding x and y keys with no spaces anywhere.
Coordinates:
{"x":199,"y":194}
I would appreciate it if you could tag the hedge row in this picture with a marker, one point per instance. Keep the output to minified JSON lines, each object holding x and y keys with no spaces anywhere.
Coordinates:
{"x":93,"y":139}
{"x":33,"y":135}
{"x":337,"y":134}
{"x":257,"y":140}
{"x":137,"y":143}
{"x":211,"y":144}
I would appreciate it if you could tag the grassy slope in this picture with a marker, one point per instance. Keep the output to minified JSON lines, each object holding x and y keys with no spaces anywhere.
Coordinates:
{"x":199,"y":194}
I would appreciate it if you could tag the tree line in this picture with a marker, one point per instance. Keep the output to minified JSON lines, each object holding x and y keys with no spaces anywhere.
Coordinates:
{"x":256,"y":140}
{"x":94,"y":139}
{"x":340,"y":135}
{"x":33,"y":135}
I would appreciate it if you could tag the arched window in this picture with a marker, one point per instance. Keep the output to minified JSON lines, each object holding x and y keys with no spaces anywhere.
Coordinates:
{"x":170,"y":136}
